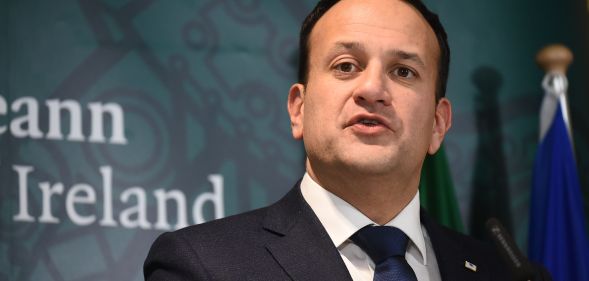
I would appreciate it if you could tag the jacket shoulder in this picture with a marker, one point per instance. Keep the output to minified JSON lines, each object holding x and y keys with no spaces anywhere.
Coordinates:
{"x":462,"y":257}
{"x":231,"y":248}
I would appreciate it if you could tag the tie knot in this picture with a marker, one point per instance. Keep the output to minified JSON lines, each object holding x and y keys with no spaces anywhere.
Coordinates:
{"x":381,"y":242}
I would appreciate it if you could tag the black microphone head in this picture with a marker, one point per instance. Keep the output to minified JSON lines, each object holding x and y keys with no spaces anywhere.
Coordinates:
{"x":508,"y":250}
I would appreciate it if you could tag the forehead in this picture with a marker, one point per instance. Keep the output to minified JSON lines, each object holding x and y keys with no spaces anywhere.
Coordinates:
{"x":384,"y":24}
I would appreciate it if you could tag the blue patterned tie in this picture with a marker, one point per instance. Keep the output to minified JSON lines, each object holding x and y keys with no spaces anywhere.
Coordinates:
{"x":386,"y":247}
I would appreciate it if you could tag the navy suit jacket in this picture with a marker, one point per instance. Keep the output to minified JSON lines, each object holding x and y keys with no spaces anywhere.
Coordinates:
{"x":286,"y":241}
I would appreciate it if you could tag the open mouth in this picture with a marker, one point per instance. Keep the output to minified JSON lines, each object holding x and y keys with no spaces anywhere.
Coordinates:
{"x":369,"y":122}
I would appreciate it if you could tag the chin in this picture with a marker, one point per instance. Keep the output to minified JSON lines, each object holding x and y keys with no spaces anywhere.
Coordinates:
{"x":373,"y":165}
{"x":376,"y":169}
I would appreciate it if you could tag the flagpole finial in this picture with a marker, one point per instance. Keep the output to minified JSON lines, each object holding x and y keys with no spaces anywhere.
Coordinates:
{"x":555,"y":58}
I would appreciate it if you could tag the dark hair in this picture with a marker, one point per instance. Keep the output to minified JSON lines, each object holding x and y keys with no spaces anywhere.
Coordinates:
{"x":432,"y":19}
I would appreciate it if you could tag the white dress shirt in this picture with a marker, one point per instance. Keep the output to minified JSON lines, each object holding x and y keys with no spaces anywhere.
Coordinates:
{"x":341,"y":220}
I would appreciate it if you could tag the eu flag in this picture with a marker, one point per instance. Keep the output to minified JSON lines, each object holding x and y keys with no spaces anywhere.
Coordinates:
{"x":557,"y":234}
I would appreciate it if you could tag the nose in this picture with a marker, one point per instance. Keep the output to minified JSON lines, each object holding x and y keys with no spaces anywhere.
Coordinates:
{"x":371,"y":89}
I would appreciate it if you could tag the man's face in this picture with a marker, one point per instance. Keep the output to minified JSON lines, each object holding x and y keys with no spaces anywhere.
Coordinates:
{"x":369,"y":104}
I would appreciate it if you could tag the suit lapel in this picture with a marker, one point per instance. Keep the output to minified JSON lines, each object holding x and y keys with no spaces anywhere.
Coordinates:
{"x":303,"y":249}
{"x":451,"y":256}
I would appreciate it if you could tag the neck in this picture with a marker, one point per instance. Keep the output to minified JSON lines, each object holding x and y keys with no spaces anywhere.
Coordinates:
{"x":378,"y":197}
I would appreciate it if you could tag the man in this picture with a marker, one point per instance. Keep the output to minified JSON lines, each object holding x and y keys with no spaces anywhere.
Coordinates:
{"x":369,"y":106}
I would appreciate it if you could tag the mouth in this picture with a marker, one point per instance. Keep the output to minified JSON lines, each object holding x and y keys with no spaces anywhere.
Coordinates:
{"x":368,"y":120}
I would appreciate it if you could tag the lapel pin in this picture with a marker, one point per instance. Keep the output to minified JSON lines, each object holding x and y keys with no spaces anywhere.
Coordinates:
{"x":470,"y":266}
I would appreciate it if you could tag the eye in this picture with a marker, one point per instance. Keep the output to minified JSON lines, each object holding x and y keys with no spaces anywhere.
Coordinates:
{"x":404,"y":72}
{"x":346,"y":67}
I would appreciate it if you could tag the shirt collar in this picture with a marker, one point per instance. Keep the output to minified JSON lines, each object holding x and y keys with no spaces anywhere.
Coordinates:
{"x":341,"y":220}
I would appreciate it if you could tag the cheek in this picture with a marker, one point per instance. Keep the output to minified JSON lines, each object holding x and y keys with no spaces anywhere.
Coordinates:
{"x":426,"y":119}
{"x":312,"y":113}
{"x":420,"y":118}
{"x":319,"y":103}
{"x":326,"y":103}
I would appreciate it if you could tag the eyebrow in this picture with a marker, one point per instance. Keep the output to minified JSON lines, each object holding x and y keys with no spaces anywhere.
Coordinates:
{"x":407,"y":56}
{"x":347,"y":46}
{"x":357,"y":46}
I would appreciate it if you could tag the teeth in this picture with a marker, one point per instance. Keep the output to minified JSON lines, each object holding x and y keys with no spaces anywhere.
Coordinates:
{"x":369,"y":122}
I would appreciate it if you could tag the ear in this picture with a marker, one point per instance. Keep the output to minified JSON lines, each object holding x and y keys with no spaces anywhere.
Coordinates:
{"x":442,"y":123}
{"x":296,"y":97}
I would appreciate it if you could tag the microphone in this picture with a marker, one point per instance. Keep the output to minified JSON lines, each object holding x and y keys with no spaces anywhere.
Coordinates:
{"x":519,"y":264}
